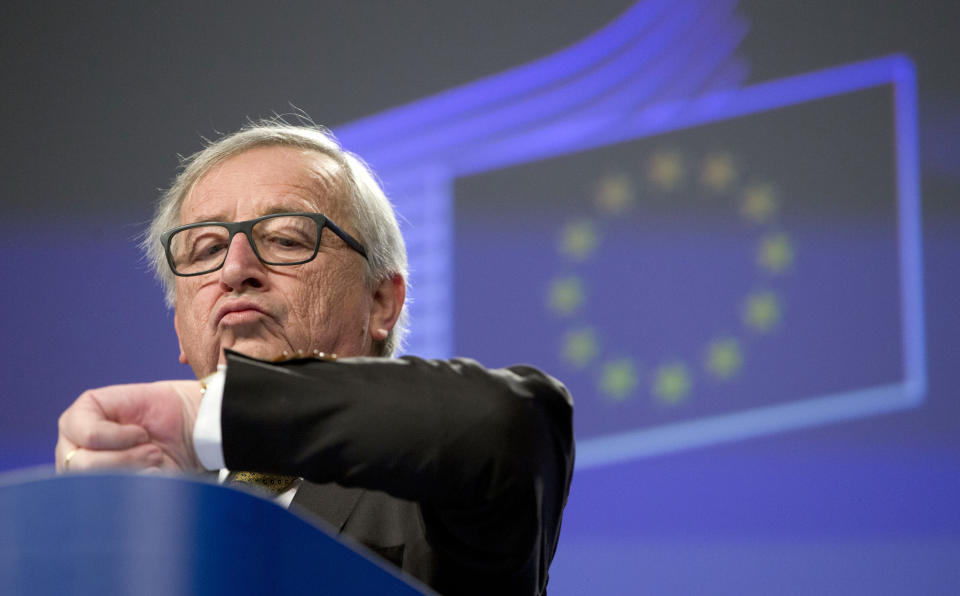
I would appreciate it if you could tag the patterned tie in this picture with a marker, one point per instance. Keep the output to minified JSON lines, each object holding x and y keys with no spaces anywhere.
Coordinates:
{"x":271,"y":483}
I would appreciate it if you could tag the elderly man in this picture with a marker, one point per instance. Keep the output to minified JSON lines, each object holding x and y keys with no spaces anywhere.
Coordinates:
{"x":275,"y":244}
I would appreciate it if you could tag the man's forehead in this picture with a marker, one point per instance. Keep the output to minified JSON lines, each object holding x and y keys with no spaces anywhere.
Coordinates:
{"x":266,"y":180}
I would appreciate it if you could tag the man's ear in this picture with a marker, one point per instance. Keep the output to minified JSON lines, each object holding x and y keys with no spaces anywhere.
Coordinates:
{"x":176,"y":327}
{"x":387,"y":303}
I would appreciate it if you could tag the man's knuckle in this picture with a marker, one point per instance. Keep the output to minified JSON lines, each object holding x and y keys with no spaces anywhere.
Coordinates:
{"x":92,"y":436}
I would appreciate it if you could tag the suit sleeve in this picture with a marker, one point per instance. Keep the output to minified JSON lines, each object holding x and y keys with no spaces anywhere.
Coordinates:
{"x":488,"y":454}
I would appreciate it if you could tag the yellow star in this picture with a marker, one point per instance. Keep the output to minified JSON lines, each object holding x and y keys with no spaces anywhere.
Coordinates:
{"x":671,"y":383}
{"x":718,"y":172}
{"x":775,"y":254}
{"x":578,"y":240}
{"x":614,"y":193}
{"x":565,"y":295}
{"x":619,"y":378}
{"x":762,"y":311}
{"x":580,"y":347}
{"x":724,"y":357}
{"x":758,"y":204}
{"x":665,"y":170}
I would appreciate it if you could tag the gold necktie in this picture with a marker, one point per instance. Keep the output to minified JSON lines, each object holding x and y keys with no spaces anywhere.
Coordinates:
{"x":271,"y":483}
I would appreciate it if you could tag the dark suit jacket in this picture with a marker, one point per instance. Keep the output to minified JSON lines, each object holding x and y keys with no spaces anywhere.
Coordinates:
{"x":453,"y":472}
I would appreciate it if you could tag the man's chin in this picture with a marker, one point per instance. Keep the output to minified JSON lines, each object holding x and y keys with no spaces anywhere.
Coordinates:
{"x":255,"y":349}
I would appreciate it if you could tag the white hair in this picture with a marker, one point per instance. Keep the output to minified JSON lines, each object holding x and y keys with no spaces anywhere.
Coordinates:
{"x":370,"y":211}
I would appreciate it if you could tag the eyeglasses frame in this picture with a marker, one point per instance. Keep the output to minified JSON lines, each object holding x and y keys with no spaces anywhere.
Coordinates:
{"x":246,"y":227}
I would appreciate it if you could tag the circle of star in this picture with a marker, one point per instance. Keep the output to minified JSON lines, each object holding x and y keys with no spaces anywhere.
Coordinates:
{"x":673,"y":382}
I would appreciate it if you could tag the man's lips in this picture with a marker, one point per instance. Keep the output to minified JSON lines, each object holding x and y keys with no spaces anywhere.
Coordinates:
{"x":240,"y":312}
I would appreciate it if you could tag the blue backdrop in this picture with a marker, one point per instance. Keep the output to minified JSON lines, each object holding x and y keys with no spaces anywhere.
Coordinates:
{"x":730,"y":228}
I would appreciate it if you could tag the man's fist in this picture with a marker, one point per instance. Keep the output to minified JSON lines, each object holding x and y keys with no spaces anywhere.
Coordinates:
{"x":139,"y":426}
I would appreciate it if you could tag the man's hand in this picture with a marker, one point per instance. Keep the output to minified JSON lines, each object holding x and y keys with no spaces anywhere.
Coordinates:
{"x":141,"y":426}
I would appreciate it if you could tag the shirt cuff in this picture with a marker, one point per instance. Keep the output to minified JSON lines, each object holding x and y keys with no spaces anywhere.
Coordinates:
{"x":207,"y":433}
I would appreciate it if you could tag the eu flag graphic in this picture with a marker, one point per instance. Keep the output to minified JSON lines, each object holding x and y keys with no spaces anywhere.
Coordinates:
{"x":690,"y":276}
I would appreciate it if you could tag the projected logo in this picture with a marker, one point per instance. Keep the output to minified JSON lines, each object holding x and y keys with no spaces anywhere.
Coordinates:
{"x":677,"y":182}
{"x":698,"y":260}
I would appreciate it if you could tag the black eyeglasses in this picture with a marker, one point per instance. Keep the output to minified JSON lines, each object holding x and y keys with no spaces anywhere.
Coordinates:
{"x":280,"y":239}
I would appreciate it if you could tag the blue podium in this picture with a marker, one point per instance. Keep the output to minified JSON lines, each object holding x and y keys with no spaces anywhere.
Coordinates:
{"x":110,"y":534}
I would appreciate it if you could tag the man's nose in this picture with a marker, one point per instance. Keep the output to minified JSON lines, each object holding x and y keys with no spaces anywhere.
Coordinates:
{"x":242,"y":269}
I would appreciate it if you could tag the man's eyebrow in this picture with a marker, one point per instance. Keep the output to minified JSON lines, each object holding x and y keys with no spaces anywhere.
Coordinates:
{"x":203,"y":218}
{"x":271,"y":211}
{"x":282,"y":209}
